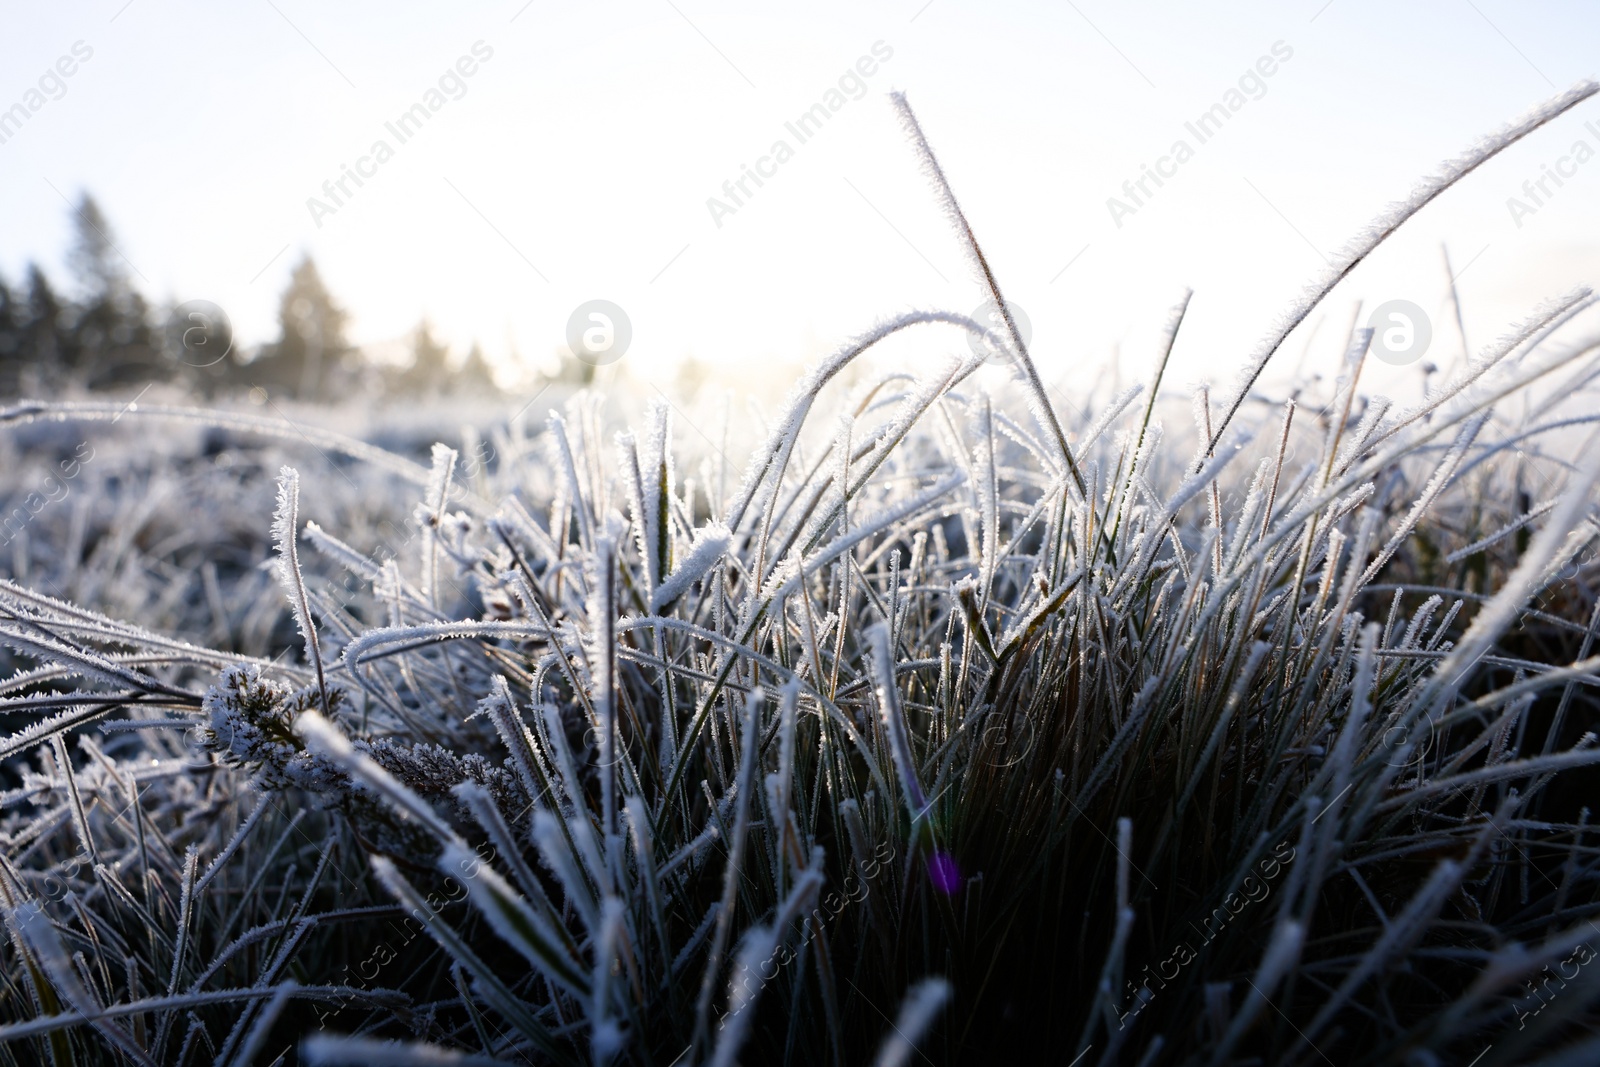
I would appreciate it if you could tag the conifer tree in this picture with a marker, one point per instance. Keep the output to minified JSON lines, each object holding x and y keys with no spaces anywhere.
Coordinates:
{"x":311,"y":358}
{"x":112,"y":339}
{"x":429,"y":371}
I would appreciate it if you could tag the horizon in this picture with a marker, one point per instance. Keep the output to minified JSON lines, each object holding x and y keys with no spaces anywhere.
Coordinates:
{"x":648,"y":173}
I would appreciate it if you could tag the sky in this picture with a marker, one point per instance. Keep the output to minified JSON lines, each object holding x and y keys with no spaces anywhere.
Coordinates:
{"x":585,"y":156}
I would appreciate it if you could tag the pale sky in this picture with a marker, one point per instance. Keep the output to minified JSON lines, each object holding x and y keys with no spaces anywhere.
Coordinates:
{"x":577,"y":159}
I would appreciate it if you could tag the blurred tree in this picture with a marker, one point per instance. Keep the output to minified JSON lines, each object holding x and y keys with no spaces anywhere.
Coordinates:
{"x":13,"y":319}
{"x":475,"y":378}
{"x":35,"y":349}
{"x":113,"y":341}
{"x":94,"y":260}
{"x":311,"y":358}
{"x":574,"y":371}
{"x":429,"y":371}
{"x":101,"y":339}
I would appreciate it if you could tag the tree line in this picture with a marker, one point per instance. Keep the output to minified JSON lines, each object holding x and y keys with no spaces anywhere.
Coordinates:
{"x":102,"y":333}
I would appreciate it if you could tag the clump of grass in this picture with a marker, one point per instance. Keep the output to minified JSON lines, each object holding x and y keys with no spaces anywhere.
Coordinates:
{"x":942,"y":735}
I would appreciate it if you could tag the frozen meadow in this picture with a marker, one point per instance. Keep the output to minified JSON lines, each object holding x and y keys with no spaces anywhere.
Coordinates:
{"x":1234,"y":728}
